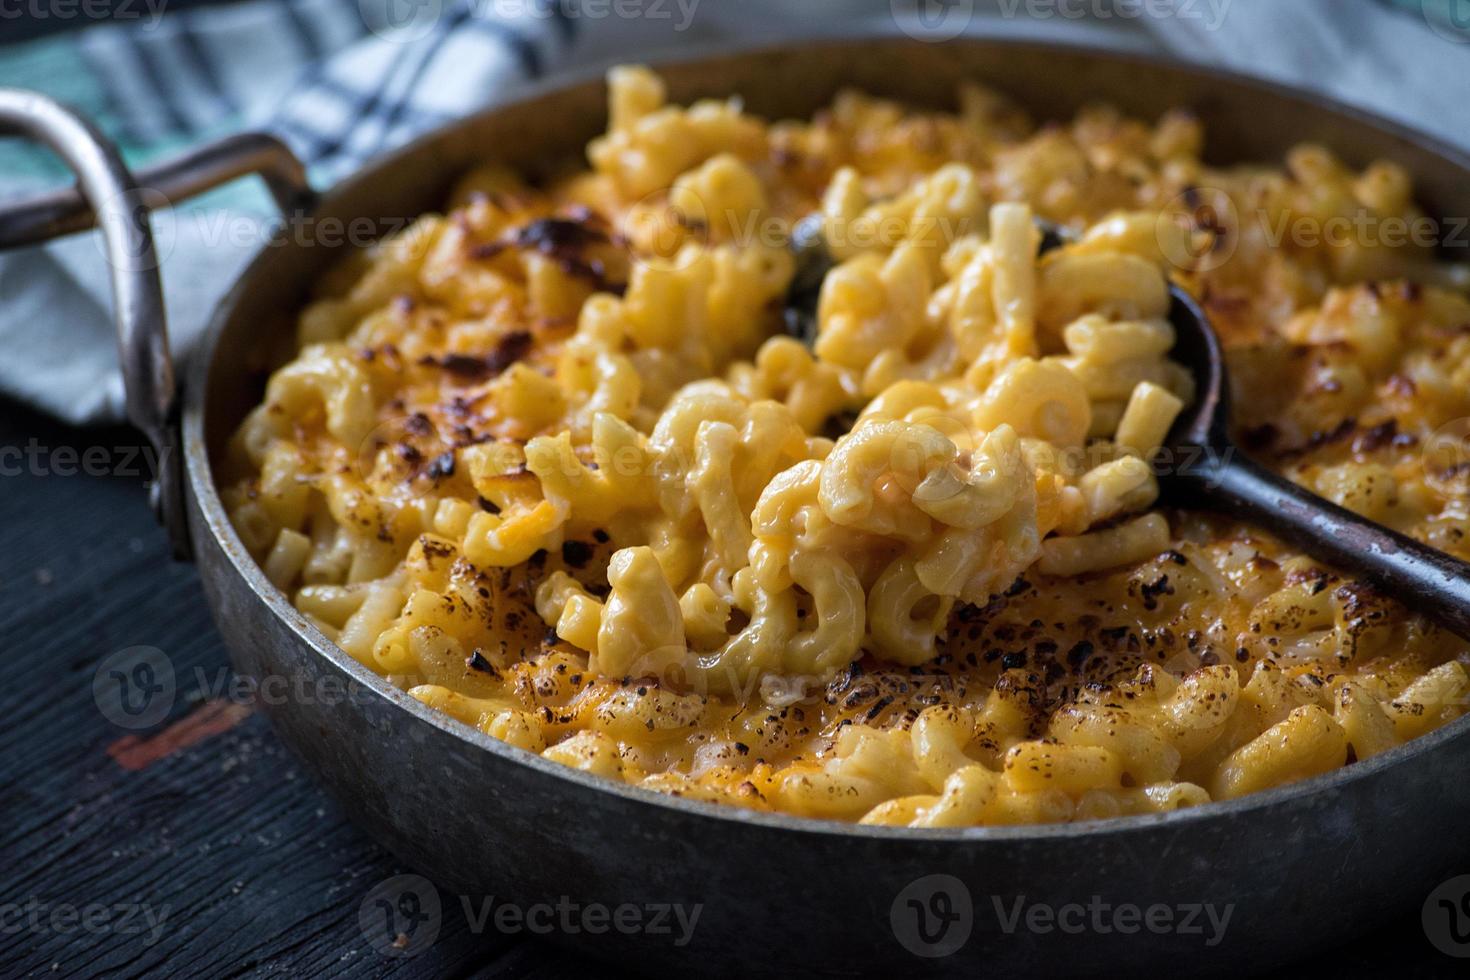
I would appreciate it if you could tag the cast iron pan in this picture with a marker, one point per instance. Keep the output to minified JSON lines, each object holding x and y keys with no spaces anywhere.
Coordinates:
{"x":1295,"y":869}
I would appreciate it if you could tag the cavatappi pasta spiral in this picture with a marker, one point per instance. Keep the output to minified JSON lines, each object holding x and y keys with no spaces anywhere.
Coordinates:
{"x":549,"y":462}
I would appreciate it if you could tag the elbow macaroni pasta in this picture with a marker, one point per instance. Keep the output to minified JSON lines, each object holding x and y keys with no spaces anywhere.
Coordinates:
{"x":549,"y":463}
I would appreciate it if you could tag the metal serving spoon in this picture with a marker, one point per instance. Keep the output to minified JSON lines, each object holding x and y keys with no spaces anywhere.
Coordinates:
{"x":1210,"y":472}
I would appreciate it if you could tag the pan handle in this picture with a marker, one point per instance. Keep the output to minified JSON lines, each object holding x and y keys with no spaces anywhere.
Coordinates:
{"x":108,"y":196}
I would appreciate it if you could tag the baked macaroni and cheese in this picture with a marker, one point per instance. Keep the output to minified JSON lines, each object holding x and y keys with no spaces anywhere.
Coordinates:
{"x":552,"y":462}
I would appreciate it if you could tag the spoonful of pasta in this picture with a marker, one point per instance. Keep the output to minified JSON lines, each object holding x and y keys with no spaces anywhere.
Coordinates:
{"x":1200,"y":467}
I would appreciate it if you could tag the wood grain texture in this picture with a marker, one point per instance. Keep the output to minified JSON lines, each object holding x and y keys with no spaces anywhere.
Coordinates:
{"x":203,"y":817}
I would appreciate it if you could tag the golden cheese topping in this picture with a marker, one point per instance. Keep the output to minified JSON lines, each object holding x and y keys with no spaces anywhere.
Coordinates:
{"x":552,"y":462}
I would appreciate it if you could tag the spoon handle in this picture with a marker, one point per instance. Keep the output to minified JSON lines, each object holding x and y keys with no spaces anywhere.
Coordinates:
{"x":1422,"y":578}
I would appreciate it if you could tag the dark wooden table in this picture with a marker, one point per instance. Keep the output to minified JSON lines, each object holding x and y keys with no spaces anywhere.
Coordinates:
{"x":203,"y":821}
